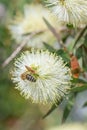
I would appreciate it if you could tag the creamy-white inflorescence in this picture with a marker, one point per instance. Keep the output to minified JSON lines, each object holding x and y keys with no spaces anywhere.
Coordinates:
{"x":41,"y":76}
{"x":32,"y":21}
{"x":69,"y":11}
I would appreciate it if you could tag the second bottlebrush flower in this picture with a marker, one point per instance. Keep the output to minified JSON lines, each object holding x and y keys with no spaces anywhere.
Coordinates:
{"x":69,"y":11}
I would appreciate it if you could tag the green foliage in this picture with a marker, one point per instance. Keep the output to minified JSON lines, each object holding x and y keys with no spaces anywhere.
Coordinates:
{"x":54,"y":106}
{"x":68,"y":108}
{"x":49,"y":48}
{"x":65,"y":55}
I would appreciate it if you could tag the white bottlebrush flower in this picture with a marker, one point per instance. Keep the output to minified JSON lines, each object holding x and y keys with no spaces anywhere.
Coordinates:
{"x":41,"y":76}
{"x":69,"y":11}
{"x":32,"y":21}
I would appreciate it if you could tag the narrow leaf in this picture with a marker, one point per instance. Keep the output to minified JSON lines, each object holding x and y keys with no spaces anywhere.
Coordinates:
{"x":85,"y":104}
{"x":52,"y":109}
{"x":67,"y":109}
{"x":79,"y":89}
{"x":48,"y":47}
{"x":80,"y":35}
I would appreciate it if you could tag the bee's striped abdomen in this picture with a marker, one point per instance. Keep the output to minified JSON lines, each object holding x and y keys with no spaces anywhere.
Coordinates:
{"x":30,"y":78}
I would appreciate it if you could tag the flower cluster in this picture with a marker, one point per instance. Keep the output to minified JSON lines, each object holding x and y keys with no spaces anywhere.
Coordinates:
{"x":32,"y":21}
{"x":69,"y":11}
{"x":41,"y":76}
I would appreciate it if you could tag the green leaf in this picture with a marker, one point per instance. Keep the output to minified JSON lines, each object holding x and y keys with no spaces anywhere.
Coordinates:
{"x":70,"y":26}
{"x":84,"y":57}
{"x":64,"y":55}
{"x":79,"y":89}
{"x":80,"y":35}
{"x":74,"y":80}
{"x":52,"y":29}
{"x":68,"y":109}
{"x":85,"y":41}
{"x":54,"y":106}
{"x":48,"y":24}
{"x":79,"y":52}
{"x":48,"y":47}
{"x":61,"y":52}
{"x":85,"y":104}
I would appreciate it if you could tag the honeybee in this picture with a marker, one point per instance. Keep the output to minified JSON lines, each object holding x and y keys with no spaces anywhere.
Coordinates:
{"x":29,"y":74}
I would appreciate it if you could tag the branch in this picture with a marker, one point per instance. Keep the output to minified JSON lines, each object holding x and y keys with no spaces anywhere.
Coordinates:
{"x":18,"y":49}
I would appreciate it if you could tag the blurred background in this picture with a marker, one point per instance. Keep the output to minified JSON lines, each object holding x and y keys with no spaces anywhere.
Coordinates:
{"x":16,"y":113}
